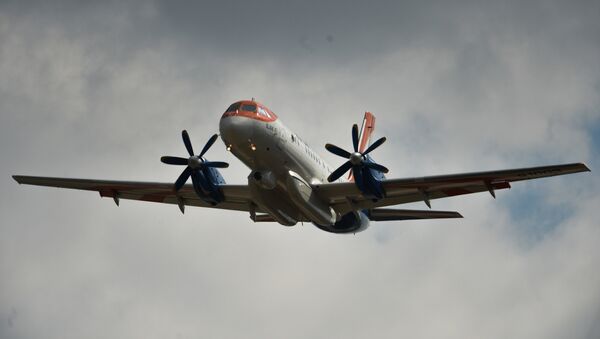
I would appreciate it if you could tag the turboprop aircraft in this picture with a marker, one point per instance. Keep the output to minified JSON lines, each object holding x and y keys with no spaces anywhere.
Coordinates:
{"x":290,"y":183}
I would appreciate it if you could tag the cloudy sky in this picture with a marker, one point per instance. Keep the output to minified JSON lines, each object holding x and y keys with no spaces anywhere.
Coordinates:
{"x":103,"y":90}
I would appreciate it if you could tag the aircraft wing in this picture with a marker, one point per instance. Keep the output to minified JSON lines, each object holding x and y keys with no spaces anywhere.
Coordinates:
{"x":237,"y":197}
{"x":345,"y":197}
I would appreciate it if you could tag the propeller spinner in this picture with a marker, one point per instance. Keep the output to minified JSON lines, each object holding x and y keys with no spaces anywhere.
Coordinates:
{"x":194,"y":162}
{"x":356,"y":159}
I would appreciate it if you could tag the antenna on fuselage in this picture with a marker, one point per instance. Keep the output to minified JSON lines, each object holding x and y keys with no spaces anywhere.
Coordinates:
{"x":252,"y":98}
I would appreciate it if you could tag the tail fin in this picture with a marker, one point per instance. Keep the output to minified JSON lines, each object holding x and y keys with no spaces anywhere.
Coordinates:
{"x":367,"y":129}
{"x":364,"y":137}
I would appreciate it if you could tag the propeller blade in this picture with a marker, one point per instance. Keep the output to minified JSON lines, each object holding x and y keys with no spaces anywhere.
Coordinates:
{"x":355,"y":137}
{"x":209,"y":143}
{"x":376,"y":167}
{"x":182,"y":178}
{"x":375,"y":145}
{"x":187,"y":142}
{"x":335,"y":175}
{"x":174,"y":160}
{"x":337,"y":151}
{"x":217,"y":164}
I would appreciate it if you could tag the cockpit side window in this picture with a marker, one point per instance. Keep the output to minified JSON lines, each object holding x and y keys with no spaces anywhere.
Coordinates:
{"x":234,"y":107}
{"x":264,"y":112}
{"x":249,"y":107}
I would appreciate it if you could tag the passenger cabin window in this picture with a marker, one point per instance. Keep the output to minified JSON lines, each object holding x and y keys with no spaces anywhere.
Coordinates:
{"x":249,"y":108}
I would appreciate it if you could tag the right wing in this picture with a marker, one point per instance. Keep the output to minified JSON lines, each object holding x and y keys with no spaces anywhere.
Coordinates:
{"x":237,"y":197}
{"x":346,"y":197}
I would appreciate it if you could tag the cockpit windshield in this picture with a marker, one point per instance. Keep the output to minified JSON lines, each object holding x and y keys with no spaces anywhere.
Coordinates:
{"x":249,"y":107}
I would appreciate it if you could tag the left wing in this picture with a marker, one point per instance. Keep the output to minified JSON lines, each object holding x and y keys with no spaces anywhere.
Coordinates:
{"x":237,"y":197}
{"x":346,"y":197}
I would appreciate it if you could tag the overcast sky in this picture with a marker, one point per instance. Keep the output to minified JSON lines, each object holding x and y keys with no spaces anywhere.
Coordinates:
{"x":103,"y":90}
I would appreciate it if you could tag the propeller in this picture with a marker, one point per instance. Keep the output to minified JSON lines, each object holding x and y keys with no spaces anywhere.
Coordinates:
{"x":356,"y":159}
{"x":194,"y":162}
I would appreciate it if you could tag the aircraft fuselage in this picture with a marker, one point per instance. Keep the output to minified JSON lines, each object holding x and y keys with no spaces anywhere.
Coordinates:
{"x":280,"y":161}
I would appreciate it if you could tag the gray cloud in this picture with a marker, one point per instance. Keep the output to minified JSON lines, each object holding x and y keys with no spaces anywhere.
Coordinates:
{"x":102,"y":91}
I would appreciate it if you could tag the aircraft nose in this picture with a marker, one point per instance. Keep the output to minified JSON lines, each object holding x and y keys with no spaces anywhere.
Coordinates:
{"x":236,"y":131}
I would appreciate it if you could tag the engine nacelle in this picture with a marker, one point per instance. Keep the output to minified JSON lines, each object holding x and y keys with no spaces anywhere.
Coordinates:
{"x":369,"y":180}
{"x":352,"y":222}
{"x":206,"y":185}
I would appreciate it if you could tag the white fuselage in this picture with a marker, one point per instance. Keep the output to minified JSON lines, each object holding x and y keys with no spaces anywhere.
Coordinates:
{"x":282,"y":165}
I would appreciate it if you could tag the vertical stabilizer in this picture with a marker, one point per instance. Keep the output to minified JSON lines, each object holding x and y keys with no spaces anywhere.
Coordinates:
{"x":366,"y":131}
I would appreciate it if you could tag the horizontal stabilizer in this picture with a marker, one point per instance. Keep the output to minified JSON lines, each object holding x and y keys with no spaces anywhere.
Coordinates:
{"x":387,"y":214}
{"x":263,"y":218}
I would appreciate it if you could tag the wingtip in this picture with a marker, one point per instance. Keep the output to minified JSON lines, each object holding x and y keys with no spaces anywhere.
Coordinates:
{"x":585,"y":168}
{"x":17,"y":178}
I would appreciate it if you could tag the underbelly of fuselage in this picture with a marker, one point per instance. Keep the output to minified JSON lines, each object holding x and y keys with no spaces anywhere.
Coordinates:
{"x":272,"y":153}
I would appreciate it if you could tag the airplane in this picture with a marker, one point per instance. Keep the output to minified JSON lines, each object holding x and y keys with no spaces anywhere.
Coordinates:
{"x":289,"y":183}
